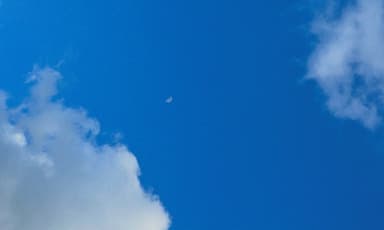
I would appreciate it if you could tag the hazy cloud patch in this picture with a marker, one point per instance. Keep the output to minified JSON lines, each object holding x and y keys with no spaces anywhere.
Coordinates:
{"x":348,"y":61}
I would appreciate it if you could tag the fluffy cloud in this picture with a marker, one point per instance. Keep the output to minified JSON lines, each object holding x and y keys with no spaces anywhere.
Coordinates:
{"x":53,"y":174}
{"x":348,"y":61}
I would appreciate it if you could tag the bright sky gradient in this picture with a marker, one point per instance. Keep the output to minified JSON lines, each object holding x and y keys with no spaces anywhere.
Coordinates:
{"x":218,"y":103}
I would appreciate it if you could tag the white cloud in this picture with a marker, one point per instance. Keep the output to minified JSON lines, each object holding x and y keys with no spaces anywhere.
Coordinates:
{"x":53,"y":174}
{"x":348,"y":61}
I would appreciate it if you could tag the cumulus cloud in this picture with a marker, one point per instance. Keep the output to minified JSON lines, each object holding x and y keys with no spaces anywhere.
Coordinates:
{"x":54,"y":175}
{"x":348,"y":61}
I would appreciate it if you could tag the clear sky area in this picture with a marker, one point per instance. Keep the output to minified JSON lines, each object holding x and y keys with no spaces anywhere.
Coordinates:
{"x":242,"y":115}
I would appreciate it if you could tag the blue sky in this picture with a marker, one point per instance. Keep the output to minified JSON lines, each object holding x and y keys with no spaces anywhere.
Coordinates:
{"x":247,"y":142}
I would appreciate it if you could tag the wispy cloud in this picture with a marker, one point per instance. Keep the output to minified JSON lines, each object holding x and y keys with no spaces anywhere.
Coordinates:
{"x":348,"y":61}
{"x":53,"y":174}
